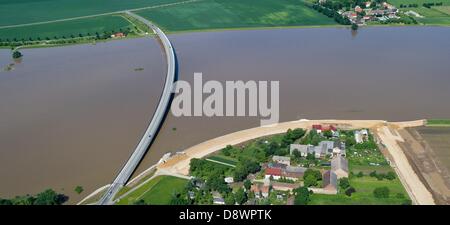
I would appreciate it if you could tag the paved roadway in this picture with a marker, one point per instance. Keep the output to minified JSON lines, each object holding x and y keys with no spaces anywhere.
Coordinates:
{"x":156,"y":121}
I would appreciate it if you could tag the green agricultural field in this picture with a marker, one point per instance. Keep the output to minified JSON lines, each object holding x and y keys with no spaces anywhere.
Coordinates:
{"x":219,"y":14}
{"x":364,"y":193}
{"x":67,"y":28}
{"x":157,"y":191}
{"x":436,"y":15}
{"x":438,"y":122}
{"x":14,"y":12}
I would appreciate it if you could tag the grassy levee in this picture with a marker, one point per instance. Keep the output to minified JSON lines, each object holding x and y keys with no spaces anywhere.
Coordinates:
{"x":232,"y":14}
{"x":438,"y":122}
{"x":157,"y":191}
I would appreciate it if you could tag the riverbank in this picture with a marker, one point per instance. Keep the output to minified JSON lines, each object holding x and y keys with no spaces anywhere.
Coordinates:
{"x":178,"y":164}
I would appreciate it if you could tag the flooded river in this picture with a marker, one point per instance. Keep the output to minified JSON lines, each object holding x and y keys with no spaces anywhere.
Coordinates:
{"x":72,"y":115}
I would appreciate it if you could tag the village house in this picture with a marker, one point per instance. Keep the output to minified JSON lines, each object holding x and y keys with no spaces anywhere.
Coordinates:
{"x":217,"y":198}
{"x":260,"y":190}
{"x":280,"y":186}
{"x":303,"y":149}
{"x":118,"y":35}
{"x":274,"y":173}
{"x":323,"y":149}
{"x":330,"y":180}
{"x":361,"y":136}
{"x":339,"y":166}
{"x":229,"y":180}
{"x":289,"y":172}
{"x":282,"y":159}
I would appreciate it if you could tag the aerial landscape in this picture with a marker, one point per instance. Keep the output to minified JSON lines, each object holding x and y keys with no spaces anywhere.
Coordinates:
{"x":224,"y":102}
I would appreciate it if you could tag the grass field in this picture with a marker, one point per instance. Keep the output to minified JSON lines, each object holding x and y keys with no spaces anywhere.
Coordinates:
{"x":217,"y":14}
{"x":436,"y":15}
{"x":157,"y":191}
{"x":29,"y":11}
{"x":364,"y":193}
{"x":67,"y":28}
{"x":438,"y":122}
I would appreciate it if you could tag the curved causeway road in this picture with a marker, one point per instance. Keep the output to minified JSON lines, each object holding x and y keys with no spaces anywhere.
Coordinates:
{"x":158,"y":117}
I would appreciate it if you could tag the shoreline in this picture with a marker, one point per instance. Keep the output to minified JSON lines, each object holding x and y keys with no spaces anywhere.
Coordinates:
{"x":43,"y":45}
{"x":178,"y":163}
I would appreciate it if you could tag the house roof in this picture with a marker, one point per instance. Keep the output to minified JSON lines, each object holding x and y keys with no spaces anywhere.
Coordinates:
{"x":281,"y":158}
{"x":317,"y":126}
{"x":256,"y":188}
{"x":273,"y":171}
{"x":329,"y":179}
{"x":300,"y":148}
{"x":295,"y":169}
{"x":339,"y":162}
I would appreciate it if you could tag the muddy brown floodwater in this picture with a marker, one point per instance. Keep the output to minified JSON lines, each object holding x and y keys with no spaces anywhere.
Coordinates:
{"x":71,"y":116}
{"x":78,"y":125}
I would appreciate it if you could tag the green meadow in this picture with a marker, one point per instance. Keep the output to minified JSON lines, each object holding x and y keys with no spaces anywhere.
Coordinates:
{"x":14,"y":12}
{"x":435,"y":15}
{"x":67,"y":28}
{"x":364,"y":193}
{"x":157,"y":191}
{"x":219,"y":14}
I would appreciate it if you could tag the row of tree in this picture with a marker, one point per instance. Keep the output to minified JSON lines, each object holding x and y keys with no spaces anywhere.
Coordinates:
{"x":332,"y":14}
{"x":63,"y":38}
{"x":47,"y":197}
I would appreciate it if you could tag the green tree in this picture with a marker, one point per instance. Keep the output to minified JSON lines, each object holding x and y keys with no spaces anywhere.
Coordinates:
{"x":309,"y":181}
{"x":381,"y":192}
{"x":177,"y":199}
{"x":302,"y":196}
{"x":390,"y":175}
{"x":49,"y":197}
{"x":78,"y":189}
{"x":344,"y":183}
{"x":229,"y":200}
{"x":16,"y":54}
{"x":139,"y":202}
{"x":328,"y":134}
{"x":247,"y":184}
{"x":350,"y":191}
{"x":240,"y":196}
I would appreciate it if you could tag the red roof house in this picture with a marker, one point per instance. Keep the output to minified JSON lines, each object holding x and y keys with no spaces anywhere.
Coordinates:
{"x":273,"y":171}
